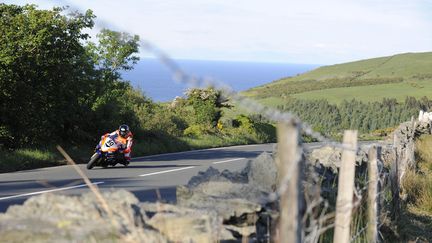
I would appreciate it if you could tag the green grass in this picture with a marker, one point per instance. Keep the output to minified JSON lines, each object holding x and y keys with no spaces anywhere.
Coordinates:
{"x":215,"y":141}
{"x":370,"y":93}
{"x":407,"y":65}
{"x":424,"y":157}
{"x":23,"y":159}
{"x":416,"y":215}
{"x":395,"y":76}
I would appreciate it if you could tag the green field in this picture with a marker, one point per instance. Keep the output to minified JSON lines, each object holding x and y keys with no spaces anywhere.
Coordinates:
{"x":370,"y":93}
{"x":397,"y":76}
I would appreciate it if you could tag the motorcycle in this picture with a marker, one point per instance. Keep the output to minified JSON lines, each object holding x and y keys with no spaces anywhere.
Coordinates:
{"x":107,"y":153}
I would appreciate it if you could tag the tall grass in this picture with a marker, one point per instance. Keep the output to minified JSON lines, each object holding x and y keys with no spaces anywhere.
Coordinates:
{"x":22,"y":159}
{"x":415,"y":220}
{"x":418,"y":181}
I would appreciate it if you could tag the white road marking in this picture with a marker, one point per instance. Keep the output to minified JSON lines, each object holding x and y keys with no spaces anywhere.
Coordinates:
{"x":201,"y":150}
{"x":167,"y":171}
{"x":186,"y":168}
{"x":46,"y":191}
{"x":226,"y":161}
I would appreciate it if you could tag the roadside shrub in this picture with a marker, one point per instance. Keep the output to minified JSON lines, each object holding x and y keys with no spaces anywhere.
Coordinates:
{"x":259,"y":132}
{"x":164,"y":121}
{"x":195,"y":131}
{"x":207,"y":104}
{"x":265,"y":132}
{"x":243,"y":122}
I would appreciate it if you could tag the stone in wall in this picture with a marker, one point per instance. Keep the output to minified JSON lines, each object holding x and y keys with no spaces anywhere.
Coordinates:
{"x":240,"y":198}
{"x":59,"y":218}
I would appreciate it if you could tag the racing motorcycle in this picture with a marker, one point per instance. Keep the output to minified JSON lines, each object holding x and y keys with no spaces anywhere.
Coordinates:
{"x":107,"y":153}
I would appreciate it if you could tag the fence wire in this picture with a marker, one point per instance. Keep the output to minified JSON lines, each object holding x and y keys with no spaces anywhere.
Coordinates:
{"x":192,"y":80}
{"x":318,"y":218}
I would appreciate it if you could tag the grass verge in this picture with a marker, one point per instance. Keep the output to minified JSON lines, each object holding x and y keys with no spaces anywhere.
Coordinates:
{"x":23,"y":159}
{"x":416,"y":216}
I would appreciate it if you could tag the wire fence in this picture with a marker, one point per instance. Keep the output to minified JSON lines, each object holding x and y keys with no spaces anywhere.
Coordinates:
{"x":319,"y":214}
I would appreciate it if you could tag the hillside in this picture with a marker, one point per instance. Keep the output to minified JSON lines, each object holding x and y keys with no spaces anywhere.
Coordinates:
{"x":397,"y":76}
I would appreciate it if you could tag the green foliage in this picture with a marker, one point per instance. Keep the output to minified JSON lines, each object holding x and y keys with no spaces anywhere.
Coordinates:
{"x":5,"y":136}
{"x":195,"y":130}
{"x":54,"y":86}
{"x":114,"y":52}
{"x":165,"y":121}
{"x":216,"y":140}
{"x":244,"y":122}
{"x":45,"y":74}
{"x":256,"y":131}
{"x":366,"y":117}
{"x":207,"y":104}
{"x":265,"y":132}
{"x":57,"y":87}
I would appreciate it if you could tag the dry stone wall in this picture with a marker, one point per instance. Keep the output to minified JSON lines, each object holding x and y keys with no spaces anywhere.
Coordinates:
{"x":214,"y":206}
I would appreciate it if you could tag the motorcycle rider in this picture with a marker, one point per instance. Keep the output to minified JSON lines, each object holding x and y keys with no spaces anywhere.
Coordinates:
{"x":123,"y":137}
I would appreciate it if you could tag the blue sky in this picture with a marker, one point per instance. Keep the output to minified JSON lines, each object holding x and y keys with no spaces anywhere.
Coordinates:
{"x":302,"y":31}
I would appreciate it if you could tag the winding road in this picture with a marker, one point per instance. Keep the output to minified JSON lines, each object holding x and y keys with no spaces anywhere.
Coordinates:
{"x":150,"y":178}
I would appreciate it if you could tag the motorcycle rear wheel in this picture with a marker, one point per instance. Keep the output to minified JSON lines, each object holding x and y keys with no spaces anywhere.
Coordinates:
{"x":93,"y":161}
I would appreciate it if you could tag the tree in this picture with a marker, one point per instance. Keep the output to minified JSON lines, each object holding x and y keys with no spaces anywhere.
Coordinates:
{"x":113,"y":53}
{"x":55,"y":85}
{"x":45,"y":72}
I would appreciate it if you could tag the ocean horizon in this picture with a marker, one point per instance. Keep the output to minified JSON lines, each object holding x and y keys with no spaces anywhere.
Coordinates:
{"x":156,"y":81}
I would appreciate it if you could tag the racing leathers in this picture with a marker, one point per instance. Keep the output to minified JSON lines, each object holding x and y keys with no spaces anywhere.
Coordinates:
{"x":124,"y":143}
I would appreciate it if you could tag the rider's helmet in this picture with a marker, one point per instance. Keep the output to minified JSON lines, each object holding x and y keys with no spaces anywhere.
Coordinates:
{"x":124,"y":130}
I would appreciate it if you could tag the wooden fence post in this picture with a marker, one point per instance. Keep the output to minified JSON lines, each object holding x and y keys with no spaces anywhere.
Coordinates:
{"x":344,"y":203}
{"x":291,"y":168}
{"x":373,"y":195}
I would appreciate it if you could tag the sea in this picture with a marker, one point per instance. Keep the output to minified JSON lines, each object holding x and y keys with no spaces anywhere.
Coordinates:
{"x":157,"y":82}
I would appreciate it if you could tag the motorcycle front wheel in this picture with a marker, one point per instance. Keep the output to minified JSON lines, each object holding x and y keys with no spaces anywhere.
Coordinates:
{"x":93,"y":161}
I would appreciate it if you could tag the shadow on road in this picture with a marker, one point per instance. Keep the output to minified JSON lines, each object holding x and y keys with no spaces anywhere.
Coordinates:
{"x":203,"y":155}
{"x":132,"y":166}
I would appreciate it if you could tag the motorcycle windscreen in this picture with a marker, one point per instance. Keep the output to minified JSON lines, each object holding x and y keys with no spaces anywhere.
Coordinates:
{"x":109,"y":145}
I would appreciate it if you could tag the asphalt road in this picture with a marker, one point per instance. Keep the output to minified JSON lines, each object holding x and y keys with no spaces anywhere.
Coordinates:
{"x":150,"y":178}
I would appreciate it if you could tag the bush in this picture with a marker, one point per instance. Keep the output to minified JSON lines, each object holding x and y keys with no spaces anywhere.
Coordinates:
{"x":207,"y":104}
{"x":195,"y":131}
{"x":265,"y":132}
{"x":258,"y":132}
{"x":244,"y":122}
{"x":164,"y":121}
